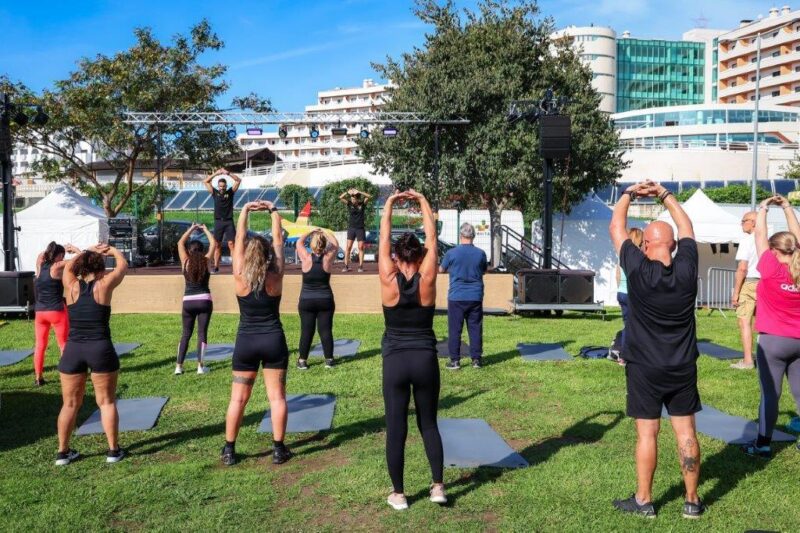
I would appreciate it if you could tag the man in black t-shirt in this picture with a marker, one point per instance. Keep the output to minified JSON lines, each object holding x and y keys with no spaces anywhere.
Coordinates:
{"x":660,"y":342}
{"x":223,"y":211}
{"x":356,"y":227}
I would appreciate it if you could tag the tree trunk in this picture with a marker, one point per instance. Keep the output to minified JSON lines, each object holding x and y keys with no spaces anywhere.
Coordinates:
{"x":497,"y":238}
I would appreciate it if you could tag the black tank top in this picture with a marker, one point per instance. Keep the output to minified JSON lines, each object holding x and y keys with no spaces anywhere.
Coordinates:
{"x":259,"y":313}
{"x":316,"y":282}
{"x":200,"y":287}
{"x":49,"y":291}
{"x":88,"y":320}
{"x":409,"y":325}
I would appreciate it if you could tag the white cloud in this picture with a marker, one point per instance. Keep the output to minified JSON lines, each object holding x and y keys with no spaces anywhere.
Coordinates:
{"x":286,"y":54}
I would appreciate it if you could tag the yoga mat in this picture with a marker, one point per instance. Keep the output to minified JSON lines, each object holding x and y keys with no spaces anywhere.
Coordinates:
{"x":718,"y":352}
{"x":341,"y":348}
{"x":135,"y":414}
{"x":307,"y":413}
{"x":123,"y":348}
{"x":214,"y":352}
{"x":543,"y":352}
{"x":444,"y":351}
{"x":729,"y":428}
{"x":471,"y":442}
{"x":11,"y":357}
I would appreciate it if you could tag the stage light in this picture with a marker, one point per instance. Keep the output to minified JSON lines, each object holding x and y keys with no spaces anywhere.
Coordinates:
{"x":232,"y":133}
{"x":390,"y":131}
{"x":339,"y":130}
{"x":255,"y":131}
{"x":314,"y":132}
{"x":178,"y":134}
{"x":40,"y":118}
{"x":282,"y":131}
{"x":364,"y":133}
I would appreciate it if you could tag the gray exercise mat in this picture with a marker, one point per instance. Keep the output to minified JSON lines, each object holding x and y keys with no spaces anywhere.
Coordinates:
{"x":12,"y":357}
{"x":308,"y":413}
{"x":135,"y":414}
{"x":729,"y":428}
{"x":543,"y":352}
{"x":444,"y":351}
{"x":471,"y":442}
{"x":341,"y":348}
{"x":123,"y":348}
{"x":215,"y":352}
{"x":718,"y":351}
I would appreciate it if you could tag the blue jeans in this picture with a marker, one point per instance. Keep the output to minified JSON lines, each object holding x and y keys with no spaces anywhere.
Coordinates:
{"x":457,"y":313}
{"x":622,"y":298}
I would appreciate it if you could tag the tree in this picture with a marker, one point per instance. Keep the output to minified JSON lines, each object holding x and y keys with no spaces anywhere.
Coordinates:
{"x":333,"y":212}
{"x":472,"y":65}
{"x":731,"y":194}
{"x":288,"y":193}
{"x":87,"y":107}
{"x":143,"y":200}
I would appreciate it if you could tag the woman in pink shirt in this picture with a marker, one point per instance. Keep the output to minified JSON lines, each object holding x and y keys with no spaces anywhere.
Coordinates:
{"x":777,"y":319}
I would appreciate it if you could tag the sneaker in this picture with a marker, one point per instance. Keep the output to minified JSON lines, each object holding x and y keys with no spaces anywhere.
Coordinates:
{"x":437,"y":494}
{"x":693,"y":510}
{"x":228,"y":456}
{"x":115,"y":456}
{"x":361,"y":269}
{"x":302,"y":364}
{"x":453,"y":365}
{"x":178,"y":370}
{"x":397,"y":501}
{"x":477,"y":363}
{"x":633,"y":507}
{"x":39,"y":382}
{"x":794,"y":424}
{"x":65,"y":458}
{"x":741,"y":365}
{"x":613,"y":355}
{"x":329,"y":363}
{"x":281,"y":455}
{"x":203,"y":370}
{"x":765,"y":452}
{"x":216,"y":270}
{"x":346,"y":269}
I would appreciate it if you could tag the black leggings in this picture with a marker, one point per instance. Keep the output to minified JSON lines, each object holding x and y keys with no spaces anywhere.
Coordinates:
{"x":402,"y":373}
{"x":199,"y":310}
{"x":316,"y":313}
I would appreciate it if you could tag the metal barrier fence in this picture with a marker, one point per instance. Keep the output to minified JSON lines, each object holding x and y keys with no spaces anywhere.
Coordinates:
{"x":719,"y":288}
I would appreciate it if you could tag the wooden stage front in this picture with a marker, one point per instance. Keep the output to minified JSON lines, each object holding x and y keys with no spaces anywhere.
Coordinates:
{"x":160,"y":290}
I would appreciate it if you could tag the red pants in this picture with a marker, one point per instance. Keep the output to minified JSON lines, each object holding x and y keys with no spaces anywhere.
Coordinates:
{"x":59,"y":320}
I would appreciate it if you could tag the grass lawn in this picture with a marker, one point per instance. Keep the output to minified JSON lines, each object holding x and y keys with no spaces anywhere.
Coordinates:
{"x":565,"y":418}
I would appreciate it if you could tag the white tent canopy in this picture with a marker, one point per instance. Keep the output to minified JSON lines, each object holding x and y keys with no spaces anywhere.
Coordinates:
{"x":63,"y":216}
{"x":712,"y":224}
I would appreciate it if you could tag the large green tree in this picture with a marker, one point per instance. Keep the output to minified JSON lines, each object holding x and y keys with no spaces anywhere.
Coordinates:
{"x":149,"y":76}
{"x":473,"y":64}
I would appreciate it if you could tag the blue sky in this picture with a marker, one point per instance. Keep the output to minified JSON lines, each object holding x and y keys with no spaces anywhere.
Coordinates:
{"x":288,"y":50}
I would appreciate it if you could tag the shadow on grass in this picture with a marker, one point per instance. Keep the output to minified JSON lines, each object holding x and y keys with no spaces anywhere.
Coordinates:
{"x":499,"y":358}
{"x":587,"y":431}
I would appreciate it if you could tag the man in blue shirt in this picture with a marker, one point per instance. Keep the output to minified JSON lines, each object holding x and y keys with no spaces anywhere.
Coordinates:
{"x":466,"y":265}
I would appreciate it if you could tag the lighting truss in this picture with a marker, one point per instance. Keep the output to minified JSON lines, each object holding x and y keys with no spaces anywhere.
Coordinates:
{"x":228,"y":118}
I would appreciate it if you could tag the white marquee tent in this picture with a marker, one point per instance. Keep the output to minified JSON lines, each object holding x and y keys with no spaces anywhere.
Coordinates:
{"x":63,"y":216}
{"x":712,"y":224}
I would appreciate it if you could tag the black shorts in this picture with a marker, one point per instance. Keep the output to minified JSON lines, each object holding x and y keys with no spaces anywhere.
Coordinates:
{"x":98,"y":356}
{"x":651,"y":388}
{"x":268,"y":350}
{"x":224,"y":231}
{"x":358,"y":234}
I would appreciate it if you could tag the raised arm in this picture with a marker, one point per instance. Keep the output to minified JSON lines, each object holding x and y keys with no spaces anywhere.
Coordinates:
{"x":386,"y":267}
{"x":57,"y":270}
{"x":183,"y":253}
{"x":345,"y":196}
{"x":277,"y":233}
{"x":39,"y":262}
{"x":236,"y":181}
{"x":115,"y":277}
{"x":366,"y":195}
{"x":618,"y":228}
{"x":300,"y":246}
{"x":207,"y":181}
{"x":212,"y":242}
{"x":679,"y":216}
{"x":237,"y":254}
{"x":791,"y":217}
{"x":760,"y":233}
{"x":428,"y":267}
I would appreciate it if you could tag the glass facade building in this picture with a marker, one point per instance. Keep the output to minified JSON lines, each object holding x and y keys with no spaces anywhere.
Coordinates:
{"x":656,"y":73}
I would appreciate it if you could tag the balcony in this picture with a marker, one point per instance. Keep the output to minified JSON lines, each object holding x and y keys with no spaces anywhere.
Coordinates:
{"x":766,"y":83}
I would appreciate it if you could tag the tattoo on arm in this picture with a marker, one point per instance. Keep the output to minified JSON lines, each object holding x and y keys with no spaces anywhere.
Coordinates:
{"x":243,"y":380}
{"x":690,"y":456}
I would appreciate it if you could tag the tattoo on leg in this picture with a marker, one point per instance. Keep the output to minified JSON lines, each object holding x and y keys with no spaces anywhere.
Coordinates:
{"x":243,"y":380}
{"x":690,"y":459}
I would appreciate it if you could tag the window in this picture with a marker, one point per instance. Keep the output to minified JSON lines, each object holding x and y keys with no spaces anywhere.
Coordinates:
{"x":776,"y":73}
{"x":774,"y":34}
{"x":733,"y":83}
{"x":776,"y":93}
{"x":776,"y":53}
{"x":753,"y":59}
{"x":797,"y":89}
{"x":752,"y":78}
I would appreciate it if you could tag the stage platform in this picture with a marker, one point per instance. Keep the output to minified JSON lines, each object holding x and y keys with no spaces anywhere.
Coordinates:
{"x":160,"y":290}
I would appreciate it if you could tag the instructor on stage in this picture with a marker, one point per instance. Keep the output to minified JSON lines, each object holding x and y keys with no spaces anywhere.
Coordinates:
{"x":224,"y":229}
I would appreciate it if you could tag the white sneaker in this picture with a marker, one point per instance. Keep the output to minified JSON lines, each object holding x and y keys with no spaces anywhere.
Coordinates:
{"x":397,"y":501}
{"x":438,"y":495}
{"x":203,"y":370}
{"x":178,"y":370}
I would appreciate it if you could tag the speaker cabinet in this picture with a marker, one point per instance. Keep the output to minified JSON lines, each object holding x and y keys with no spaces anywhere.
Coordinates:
{"x":540,"y":286}
{"x":555,"y":136}
{"x":576,"y":287}
{"x":16,"y":289}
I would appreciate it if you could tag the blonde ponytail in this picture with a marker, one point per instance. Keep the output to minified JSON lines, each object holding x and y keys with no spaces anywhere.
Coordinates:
{"x":319,"y":243}
{"x":794,"y":267}
{"x":786,"y":243}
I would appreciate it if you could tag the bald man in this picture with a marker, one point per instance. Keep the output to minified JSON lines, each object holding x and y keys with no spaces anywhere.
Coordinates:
{"x":660,"y":343}
{"x":744,"y":289}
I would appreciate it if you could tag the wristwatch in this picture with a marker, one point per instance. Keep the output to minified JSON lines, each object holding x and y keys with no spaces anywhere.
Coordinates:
{"x":273,"y":209}
{"x":632,"y":194}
